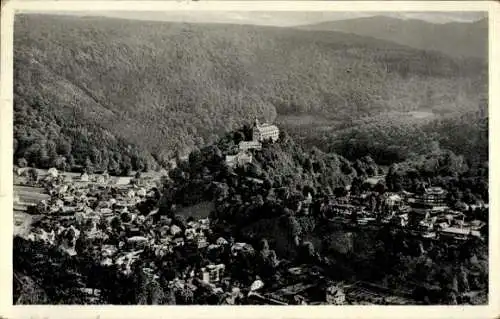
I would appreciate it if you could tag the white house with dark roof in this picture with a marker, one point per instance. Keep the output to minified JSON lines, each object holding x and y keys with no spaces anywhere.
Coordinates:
{"x":262,"y":132}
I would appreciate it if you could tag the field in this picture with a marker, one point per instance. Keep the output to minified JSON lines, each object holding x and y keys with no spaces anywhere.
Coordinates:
{"x":25,"y":196}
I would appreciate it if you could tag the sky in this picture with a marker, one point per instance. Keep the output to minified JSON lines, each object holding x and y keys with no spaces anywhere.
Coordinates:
{"x":280,"y":19}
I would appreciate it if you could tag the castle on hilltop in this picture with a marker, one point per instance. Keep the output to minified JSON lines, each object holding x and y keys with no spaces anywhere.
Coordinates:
{"x":262,"y":132}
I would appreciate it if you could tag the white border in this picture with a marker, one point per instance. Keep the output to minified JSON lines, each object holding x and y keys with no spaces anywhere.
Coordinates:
{"x":9,"y":311}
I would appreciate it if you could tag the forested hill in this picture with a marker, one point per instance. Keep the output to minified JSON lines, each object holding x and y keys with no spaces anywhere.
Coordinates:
{"x":469,"y":39}
{"x":124,"y":94}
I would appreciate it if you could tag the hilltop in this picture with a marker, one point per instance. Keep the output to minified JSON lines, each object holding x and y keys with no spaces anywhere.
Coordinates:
{"x":124,"y":94}
{"x":460,"y":39}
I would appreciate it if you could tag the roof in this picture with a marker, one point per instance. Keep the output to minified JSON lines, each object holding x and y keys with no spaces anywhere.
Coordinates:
{"x":266,"y":127}
{"x":394,"y":197}
{"x":250,"y":143}
{"x":295,"y":289}
{"x":456,"y":230}
{"x":137,"y":239}
{"x":335,"y":291}
{"x":218,"y":266}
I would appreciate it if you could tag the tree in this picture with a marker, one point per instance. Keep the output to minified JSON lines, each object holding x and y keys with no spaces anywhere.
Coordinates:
{"x":380,"y":187}
{"x":89,"y":167}
{"x":116,"y":223}
{"x":340,"y":192}
{"x":356,"y":186}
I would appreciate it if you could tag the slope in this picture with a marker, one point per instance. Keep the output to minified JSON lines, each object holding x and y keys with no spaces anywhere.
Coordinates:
{"x":123,"y":94}
{"x":453,"y":38}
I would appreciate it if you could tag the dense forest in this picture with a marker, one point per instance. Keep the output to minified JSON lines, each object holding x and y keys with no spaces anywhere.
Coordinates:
{"x":131,"y":95}
{"x":459,"y":39}
{"x":261,"y":200}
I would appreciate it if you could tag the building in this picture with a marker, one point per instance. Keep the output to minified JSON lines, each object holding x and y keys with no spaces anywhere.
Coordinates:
{"x":53,"y":172}
{"x":393,"y":201}
{"x":457,"y":233}
{"x":433,"y":199}
{"x":262,"y":132}
{"x":138,"y":242}
{"x":250,"y":145}
{"x":212,"y":273}
{"x":335,"y":295}
{"x":239,"y":159}
{"x":178,"y":241}
{"x":432,"y":196}
{"x":201,"y":242}
{"x":84,"y":177}
{"x":101,"y":180}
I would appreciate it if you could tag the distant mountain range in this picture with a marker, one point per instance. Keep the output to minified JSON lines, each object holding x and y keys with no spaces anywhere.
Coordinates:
{"x":454,"y":38}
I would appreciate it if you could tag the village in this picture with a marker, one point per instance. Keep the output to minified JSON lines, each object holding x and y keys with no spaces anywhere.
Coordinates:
{"x":426,"y":214}
{"x":121,"y":214}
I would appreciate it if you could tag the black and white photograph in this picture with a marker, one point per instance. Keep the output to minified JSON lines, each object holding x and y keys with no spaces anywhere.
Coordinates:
{"x":250,"y":158}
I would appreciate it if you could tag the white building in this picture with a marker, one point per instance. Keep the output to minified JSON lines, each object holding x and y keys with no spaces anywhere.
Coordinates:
{"x":53,"y":172}
{"x":239,"y":159}
{"x":84,"y":177}
{"x":262,"y":132}
{"x":250,"y":145}
{"x":335,"y":295}
{"x":393,"y":200}
{"x":212,"y":273}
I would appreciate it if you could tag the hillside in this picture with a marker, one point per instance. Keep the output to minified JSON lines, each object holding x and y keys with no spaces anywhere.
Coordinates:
{"x":265,"y":200}
{"x":453,"y":38}
{"x":123,"y":94}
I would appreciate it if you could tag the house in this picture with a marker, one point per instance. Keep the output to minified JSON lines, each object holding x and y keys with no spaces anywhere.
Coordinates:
{"x":101,"y":180}
{"x":250,"y":145}
{"x":221,"y":241}
{"x":241,"y":247}
{"x":178,"y":241}
{"x":137,"y":241}
{"x":53,"y":172}
{"x":141,"y":192}
{"x":63,"y":189}
{"x":84,"y":177}
{"x":204,"y":223}
{"x":262,"y":132}
{"x":432,"y":199}
{"x":335,"y":295}
{"x":122,"y":181}
{"x":256,"y":298}
{"x":393,"y":201}
{"x":231,"y":160}
{"x":290,"y":293}
{"x":22,"y":171}
{"x":457,"y":233}
{"x":244,"y":158}
{"x":202,"y":242}
{"x":239,"y":159}
{"x":374,"y":180}
{"x":190,"y":233}
{"x":255,"y":180}
{"x":212,"y":273}
{"x":174,"y":230}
